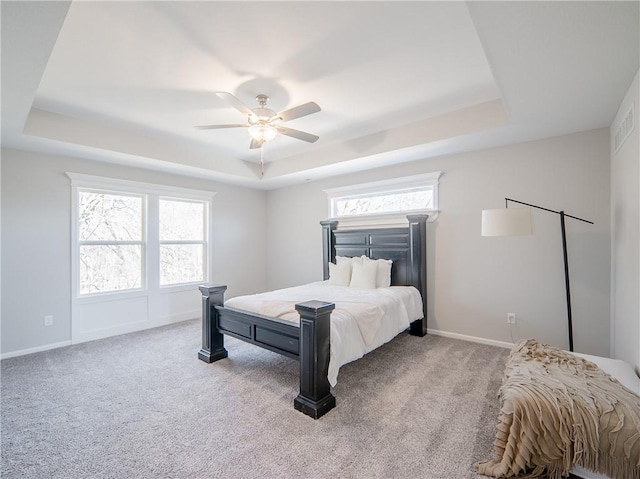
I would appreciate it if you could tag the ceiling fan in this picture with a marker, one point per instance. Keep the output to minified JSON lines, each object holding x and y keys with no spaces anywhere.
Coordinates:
{"x":263,"y":123}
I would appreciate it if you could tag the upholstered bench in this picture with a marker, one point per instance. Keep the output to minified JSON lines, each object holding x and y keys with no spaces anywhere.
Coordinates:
{"x":625,"y":374}
{"x":559,"y":410}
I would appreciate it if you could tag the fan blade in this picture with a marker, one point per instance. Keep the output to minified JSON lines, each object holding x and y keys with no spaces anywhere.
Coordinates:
{"x":300,"y":135}
{"x":216,"y":127}
{"x":255,"y":143}
{"x":234,"y":102}
{"x":298,"y":111}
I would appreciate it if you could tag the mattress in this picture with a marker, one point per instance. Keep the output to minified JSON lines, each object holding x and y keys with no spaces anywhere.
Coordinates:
{"x":352,"y":334}
{"x":625,"y":374}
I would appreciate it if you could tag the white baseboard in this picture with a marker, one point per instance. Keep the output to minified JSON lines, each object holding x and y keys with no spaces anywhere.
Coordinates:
{"x":473,"y":339}
{"x":84,"y":336}
{"x":106,"y":333}
{"x":38,"y":349}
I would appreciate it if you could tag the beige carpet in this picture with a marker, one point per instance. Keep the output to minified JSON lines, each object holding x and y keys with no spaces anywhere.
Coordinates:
{"x":143,"y":406}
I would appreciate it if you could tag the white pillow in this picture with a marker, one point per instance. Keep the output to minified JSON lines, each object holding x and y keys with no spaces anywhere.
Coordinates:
{"x":383,"y":276}
{"x":340,"y":274}
{"x":348,"y":259}
{"x":364,"y":275}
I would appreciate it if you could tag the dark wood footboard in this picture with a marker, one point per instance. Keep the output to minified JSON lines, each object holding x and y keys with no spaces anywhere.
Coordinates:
{"x":315,"y":398}
{"x":212,"y":340}
{"x":309,"y":342}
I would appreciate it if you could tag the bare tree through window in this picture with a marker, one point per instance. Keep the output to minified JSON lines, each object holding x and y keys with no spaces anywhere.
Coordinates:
{"x":110,"y":239}
{"x":182,"y":241}
{"x":384,"y":203}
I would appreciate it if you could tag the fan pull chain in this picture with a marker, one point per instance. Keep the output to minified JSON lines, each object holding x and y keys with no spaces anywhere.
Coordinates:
{"x":262,"y":160}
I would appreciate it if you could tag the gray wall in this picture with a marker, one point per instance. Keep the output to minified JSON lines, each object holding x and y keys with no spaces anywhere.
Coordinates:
{"x":475,"y":281}
{"x":625,"y":236}
{"x":36,"y":248}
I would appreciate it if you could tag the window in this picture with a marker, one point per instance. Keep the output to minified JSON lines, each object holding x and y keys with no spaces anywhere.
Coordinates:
{"x":389,"y":202}
{"x":136,"y":237}
{"x":182,"y":241}
{"x":396,"y":197}
{"x":111,"y":246}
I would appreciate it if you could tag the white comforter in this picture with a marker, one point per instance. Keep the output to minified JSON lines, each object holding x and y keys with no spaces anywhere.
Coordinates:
{"x":363,"y":320}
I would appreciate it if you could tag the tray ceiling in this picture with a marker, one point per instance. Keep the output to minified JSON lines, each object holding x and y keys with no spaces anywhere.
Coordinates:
{"x":127,"y":82}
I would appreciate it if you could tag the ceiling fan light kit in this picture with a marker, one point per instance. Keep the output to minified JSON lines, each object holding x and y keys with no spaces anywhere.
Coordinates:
{"x":263,"y":133}
{"x":263,"y":124}
{"x":263,"y":121}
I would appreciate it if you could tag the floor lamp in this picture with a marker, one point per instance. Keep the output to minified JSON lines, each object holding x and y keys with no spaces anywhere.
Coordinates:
{"x":516,"y":222}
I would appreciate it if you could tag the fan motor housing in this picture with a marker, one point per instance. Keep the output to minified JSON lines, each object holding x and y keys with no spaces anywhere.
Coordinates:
{"x":261,"y":115}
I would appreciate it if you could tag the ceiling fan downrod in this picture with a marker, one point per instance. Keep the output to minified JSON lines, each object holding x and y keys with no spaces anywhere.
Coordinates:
{"x":262,"y":100}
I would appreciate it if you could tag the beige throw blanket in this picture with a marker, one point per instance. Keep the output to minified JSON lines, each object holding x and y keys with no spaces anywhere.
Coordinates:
{"x":558,"y":410}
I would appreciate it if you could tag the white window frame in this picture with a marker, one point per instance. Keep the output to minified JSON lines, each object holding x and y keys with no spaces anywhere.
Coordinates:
{"x":151,"y":257}
{"x":395,"y":185}
{"x":205,"y":241}
{"x":80,"y":243}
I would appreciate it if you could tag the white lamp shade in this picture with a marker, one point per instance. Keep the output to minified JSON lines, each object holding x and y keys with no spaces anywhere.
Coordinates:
{"x":506,"y":222}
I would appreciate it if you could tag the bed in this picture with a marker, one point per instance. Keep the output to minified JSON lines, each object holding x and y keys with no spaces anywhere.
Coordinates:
{"x":561,"y":413}
{"x":308,"y":337}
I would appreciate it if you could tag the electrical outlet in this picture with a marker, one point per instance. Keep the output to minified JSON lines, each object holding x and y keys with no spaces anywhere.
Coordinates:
{"x":511,"y":318}
{"x":48,"y":320}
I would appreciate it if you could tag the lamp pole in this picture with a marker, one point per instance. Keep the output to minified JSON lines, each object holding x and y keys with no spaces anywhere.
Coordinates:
{"x":566,"y":279}
{"x":564,"y":255}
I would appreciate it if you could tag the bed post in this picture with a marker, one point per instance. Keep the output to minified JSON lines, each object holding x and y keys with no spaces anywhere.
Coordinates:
{"x":315,"y":398}
{"x":212,"y":340}
{"x":418,"y":261}
{"x":328,"y":246}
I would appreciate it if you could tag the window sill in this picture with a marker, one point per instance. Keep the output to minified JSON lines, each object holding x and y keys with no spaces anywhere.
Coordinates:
{"x":390,"y":220}
{"x":131,"y":294}
{"x":111,"y":296}
{"x":176,"y":288}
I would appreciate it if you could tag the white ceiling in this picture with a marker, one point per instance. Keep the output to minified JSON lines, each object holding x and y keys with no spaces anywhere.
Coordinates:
{"x":126,"y":82}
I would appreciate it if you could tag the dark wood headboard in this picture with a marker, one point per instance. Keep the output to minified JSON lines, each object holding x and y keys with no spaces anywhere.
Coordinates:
{"x":310,"y":341}
{"x":406,"y":247}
